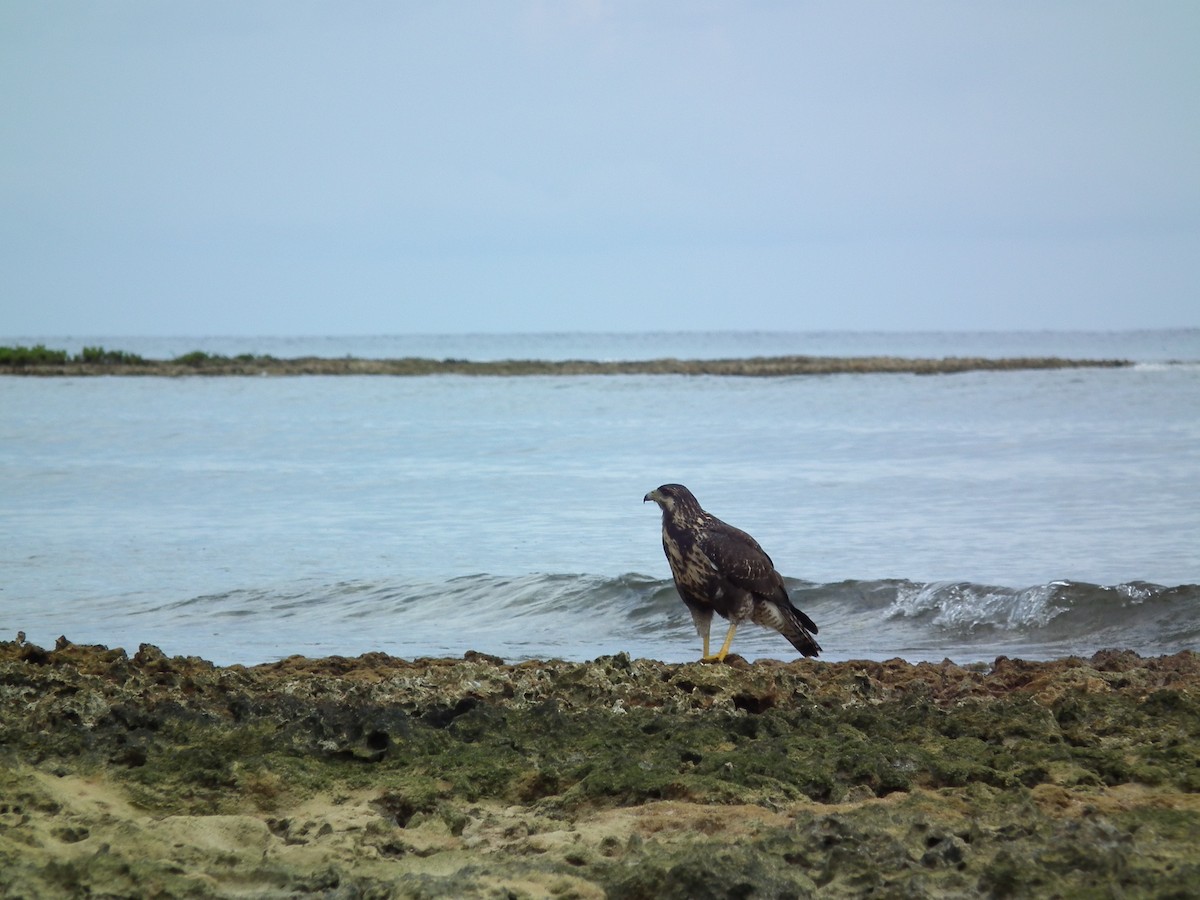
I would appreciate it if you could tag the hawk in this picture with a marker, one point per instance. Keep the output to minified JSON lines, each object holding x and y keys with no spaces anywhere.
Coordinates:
{"x":719,"y":568}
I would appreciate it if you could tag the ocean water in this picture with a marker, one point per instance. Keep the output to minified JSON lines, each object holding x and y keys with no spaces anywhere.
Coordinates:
{"x":1031,"y":514}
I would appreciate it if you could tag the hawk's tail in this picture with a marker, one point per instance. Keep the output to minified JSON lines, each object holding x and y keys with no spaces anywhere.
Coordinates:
{"x":797,"y":628}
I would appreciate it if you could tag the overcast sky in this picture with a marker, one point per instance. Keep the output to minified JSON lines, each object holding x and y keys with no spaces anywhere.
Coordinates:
{"x":243,"y":168}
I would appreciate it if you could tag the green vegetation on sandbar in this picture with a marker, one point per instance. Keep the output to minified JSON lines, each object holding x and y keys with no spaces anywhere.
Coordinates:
{"x":199,"y":359}
{"x":41,"y":355}
{"x":98,"y":361}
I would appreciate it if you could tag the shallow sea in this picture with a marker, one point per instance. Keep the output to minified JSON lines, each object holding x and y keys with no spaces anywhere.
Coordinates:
{"x":1031,"y":513}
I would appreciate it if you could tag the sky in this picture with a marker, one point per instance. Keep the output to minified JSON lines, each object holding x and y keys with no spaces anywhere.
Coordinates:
{"x":356,"y":168}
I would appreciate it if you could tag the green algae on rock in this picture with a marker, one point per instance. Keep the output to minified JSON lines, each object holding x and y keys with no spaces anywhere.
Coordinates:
{"x":378,"y":776}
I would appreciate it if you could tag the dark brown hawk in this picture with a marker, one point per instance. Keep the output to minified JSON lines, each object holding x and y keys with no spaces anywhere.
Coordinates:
{"x":719,"y":568}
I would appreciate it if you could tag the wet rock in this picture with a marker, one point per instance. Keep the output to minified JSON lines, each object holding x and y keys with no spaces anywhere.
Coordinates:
{"x":705,"y":873}
{"x":627,"y":776}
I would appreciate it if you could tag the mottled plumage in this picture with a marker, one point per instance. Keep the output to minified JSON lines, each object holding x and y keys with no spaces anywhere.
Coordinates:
{"x":719,"y":568}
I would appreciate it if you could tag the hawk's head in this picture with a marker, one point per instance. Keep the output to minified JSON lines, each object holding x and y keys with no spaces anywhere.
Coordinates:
{"x":674,"y":499}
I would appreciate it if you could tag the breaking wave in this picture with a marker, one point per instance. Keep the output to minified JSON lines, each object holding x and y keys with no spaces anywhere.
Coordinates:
{"x":585,"y":616}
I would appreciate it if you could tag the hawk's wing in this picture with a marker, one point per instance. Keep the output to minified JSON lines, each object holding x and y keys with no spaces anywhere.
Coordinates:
{"x":739,"y":559}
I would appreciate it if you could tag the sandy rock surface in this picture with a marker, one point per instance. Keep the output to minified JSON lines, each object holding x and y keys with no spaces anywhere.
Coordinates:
{"x":141,"y":775}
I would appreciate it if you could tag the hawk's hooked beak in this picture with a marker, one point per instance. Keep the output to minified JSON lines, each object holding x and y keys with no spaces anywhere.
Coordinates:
{"x":653,"y":495}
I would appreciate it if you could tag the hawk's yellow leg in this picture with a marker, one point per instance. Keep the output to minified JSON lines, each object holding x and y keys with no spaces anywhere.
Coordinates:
{"x":724,"y":647}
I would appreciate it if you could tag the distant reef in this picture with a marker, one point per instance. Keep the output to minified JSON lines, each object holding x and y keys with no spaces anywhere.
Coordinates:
{"x":43,"y":361}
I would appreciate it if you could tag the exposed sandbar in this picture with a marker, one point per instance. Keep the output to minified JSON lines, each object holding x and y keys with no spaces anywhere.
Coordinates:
{"x":204,"y":364}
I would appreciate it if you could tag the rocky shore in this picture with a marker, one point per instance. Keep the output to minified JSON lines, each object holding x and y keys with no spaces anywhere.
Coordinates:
{"x":206,"y":364}
{"x":142,"y":775}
